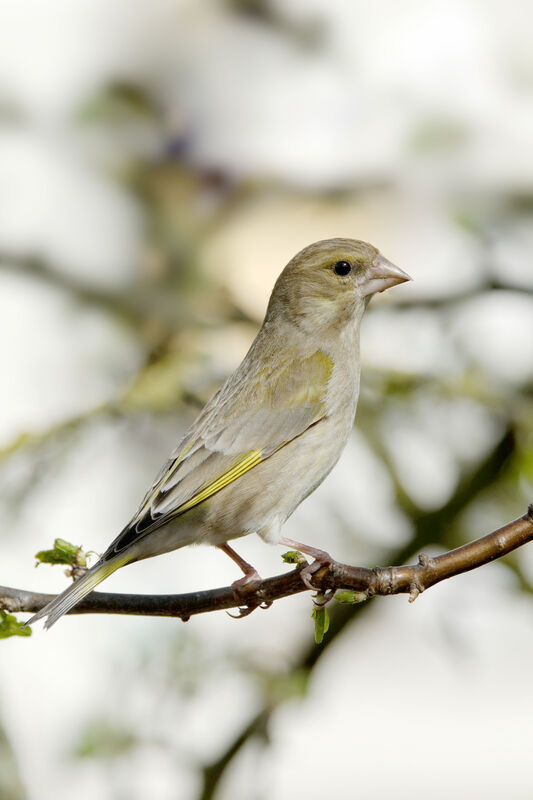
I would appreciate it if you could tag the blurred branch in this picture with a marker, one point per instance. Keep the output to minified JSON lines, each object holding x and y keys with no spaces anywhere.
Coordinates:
{"x":307,"y":33}
{"x":412,"y":579}
{"x":153,"y":309}
{"x":39,"y":439}
{"x":108,"y":300}
{"x":212,"y":774}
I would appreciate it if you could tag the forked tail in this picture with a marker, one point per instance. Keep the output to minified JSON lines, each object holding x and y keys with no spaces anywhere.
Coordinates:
{"x":73,"y":594}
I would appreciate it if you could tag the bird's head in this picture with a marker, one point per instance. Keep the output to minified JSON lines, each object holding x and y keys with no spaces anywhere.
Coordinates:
{"x":327,"y":283}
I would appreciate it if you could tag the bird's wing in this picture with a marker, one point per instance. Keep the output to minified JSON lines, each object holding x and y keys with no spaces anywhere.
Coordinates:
{"x":239,"y":428}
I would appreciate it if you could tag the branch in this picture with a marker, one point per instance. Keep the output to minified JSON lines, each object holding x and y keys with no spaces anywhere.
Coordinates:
{"x":412,"y":579}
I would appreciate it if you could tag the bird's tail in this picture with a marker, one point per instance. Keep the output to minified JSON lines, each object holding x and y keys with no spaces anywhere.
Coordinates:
{"x":73,"y":594}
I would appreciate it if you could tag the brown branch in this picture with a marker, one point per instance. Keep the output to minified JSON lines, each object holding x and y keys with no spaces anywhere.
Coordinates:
{"x":412,"y":579}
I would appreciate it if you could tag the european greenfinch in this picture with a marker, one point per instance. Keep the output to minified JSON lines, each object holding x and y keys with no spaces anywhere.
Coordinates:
{"x":274,"y":430}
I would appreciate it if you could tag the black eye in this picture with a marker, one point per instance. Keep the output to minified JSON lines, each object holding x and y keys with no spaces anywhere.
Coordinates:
{"x":342,"y":267}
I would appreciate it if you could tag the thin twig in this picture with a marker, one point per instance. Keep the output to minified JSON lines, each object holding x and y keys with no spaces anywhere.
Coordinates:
{"x":412,"y":579}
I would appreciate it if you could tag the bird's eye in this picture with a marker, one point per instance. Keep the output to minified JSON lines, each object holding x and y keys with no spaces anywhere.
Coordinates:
{"x":342,"y":267}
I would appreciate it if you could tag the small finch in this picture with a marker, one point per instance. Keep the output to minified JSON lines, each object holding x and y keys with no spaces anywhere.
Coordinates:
{"x":274,"y":430}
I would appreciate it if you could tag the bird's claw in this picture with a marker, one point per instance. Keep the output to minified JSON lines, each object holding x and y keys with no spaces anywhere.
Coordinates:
{"x":322,"y":560}
{"x":243,"y":611}
{"x":243,"y":591}
{"x":323,"y":599}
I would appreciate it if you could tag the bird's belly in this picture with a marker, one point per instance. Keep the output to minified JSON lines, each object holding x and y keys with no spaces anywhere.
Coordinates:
{"x":262,"y":499}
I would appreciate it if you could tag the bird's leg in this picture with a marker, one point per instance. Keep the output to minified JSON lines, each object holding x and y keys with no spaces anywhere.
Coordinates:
{"x":322,"y":559}
{"x":250,"y":582}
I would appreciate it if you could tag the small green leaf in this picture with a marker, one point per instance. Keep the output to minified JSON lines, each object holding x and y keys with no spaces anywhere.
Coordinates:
{"x":63,"y":552}
{"x":104,"y":739}
{"x":10,"y":626}
{"x":321,"y":618}
{"x":350,"y":597}
{"x":121,"y":102}
{"x":293,"y":557}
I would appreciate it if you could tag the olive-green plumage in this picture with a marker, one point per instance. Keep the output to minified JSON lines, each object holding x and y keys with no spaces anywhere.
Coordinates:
{"x":274,"y":430}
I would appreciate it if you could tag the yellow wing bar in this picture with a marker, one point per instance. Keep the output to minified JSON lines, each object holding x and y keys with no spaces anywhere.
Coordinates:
{"x":246,"y":463}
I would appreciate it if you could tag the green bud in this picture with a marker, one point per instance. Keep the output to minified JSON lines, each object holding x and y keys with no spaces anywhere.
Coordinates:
{"x":350,"y":597}
{"x":321,"y":618}
{"x":10,"y":626}
{"x":293,"y":557}
{"x":63,"y":552}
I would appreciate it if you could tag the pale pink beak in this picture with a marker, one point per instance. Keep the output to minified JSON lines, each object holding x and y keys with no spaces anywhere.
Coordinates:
{"x":382,"y":275}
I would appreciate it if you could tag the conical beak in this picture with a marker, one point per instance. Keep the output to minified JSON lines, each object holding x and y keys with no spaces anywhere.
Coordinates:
{"x":382,"y":275}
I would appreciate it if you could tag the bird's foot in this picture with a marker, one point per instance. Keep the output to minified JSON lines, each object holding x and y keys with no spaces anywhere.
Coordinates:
{"x":321,"y":559}
{"x":243,"y":591}
{"x":307,"y":573}
{"x":246,"y":586}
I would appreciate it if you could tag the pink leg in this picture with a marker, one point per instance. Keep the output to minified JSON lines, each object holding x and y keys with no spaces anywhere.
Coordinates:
{"x":251,"y":579}
{"x":322,"y":559}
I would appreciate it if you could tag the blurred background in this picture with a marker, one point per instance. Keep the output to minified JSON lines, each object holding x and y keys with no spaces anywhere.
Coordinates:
{"x":159,"y":164}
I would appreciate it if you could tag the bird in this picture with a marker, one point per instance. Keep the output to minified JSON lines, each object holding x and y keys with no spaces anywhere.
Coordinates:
{"x":271,"y":433}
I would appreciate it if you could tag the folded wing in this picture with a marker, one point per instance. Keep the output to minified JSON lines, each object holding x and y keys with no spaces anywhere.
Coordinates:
{"x":243,"y":424}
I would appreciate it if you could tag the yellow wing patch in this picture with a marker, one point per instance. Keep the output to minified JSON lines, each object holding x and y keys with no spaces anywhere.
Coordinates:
{"x":246,"y":463}
{"x":302,"y":385}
